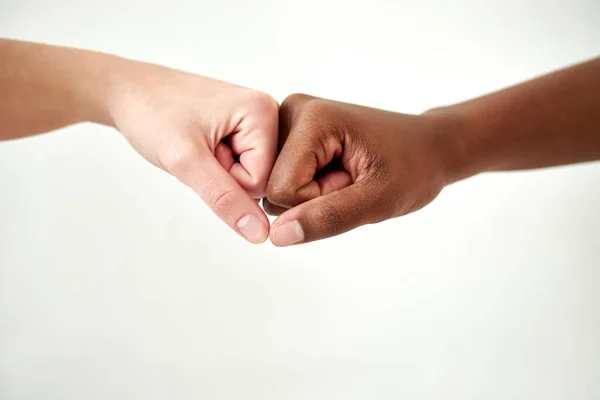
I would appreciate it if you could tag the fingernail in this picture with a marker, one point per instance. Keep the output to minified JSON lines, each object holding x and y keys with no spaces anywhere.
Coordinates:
{"x":251,"y":227}
{"x":288,"y":233}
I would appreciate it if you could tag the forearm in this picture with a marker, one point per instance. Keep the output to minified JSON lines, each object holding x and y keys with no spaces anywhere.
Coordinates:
{"x":552,"y":120}
{"x":47,"y":87}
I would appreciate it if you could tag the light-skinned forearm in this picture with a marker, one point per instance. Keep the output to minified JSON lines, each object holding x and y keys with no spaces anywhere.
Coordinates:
{"x":549,"y":121}
{"x":47,"y":87}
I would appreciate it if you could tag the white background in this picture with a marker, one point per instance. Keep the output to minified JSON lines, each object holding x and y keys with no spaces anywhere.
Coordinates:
{"x":116,"y":282}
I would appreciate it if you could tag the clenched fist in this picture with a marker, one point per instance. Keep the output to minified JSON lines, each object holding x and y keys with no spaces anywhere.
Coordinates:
{"x":342,"y":166}
{"x":218,"y":138}
{"x":215,"y":137}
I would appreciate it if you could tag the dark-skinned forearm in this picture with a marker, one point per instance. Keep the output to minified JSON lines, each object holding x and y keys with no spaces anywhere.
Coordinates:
{"x":548,"y":121}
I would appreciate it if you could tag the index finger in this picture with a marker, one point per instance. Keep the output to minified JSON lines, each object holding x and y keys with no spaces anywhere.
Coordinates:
{"x":307,"y":145}
{"x":255,"y":144}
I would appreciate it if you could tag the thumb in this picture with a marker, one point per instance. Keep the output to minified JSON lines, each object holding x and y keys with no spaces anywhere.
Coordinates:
{"x":326,"y":216}
{"x":220,"y":191}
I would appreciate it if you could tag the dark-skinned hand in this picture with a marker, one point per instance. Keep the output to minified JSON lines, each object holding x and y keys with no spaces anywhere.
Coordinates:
{"x":341,"y":166}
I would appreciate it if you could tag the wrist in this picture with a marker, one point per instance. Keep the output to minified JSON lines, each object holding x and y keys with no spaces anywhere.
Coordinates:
{"x":456,"y":143}
{"x":98,"y":86}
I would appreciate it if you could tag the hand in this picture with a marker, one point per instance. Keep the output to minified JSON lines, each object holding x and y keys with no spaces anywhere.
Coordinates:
{"x":342,"y":166}
{"x":215,"y":137}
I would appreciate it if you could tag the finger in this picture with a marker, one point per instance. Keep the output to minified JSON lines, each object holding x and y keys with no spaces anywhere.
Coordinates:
{"x":306,"y":151}
{"x":255,"y":144}
{"x":332,"y":181}
{"x":224,"y":155}
{"x":290,"y":112}
{"x":328,"y":183}
{"x":327,"y":216}
{"x":225,"y":197}
{"x":273,"y":209}
{"x":252,"y":172}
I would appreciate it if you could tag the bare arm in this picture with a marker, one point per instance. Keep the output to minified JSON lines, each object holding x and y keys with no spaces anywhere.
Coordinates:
{"x":176,"y":120}
{"x":548,"y":121}
{"x":394,"y":164}
{"x":44,"y":87}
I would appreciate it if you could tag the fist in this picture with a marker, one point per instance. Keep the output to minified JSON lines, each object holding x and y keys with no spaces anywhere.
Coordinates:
{"x":341,"y":166}
{"x":215,"y":137}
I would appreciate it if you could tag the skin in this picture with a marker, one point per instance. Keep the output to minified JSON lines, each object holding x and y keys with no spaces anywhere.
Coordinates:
{"x":342,"y":165}
{"x":215,"y":137}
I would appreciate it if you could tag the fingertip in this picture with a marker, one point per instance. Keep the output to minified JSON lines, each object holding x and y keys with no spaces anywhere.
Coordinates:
{"x":253,"y":229}
{"x":228,"y":200}
{"x":287,"y":233}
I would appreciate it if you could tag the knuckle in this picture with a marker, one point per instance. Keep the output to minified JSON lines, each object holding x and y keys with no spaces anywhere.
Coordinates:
{"x":315,"y":113}
{"x":294,"y":100}
{"x":219,"y":199}
{"x":263,"y":102}
{"x":290,"y":107}
{"x":314,"y":107}
{"x":257,"y":188}
{"x":280,"y":195}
